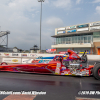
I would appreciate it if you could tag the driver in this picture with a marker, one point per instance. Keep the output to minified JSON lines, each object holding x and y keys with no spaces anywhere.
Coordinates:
{"x":60,"y":59}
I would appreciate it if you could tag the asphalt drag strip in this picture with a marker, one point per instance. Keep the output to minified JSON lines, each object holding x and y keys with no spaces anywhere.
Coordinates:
{"x":56,"y":87}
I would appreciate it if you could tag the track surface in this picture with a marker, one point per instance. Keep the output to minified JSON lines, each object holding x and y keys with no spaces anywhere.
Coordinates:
{"x":56,"y":87}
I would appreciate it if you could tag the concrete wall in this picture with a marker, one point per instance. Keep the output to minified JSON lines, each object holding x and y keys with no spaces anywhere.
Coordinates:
{"x":29,"y":60}
{"x":93,"y":57}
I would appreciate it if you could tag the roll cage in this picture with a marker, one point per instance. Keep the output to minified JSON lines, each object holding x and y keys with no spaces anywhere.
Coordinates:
{"x":58,"y":58}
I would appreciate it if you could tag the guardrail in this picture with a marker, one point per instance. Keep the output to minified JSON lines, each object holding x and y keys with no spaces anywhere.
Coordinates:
{"x":22,"y":58}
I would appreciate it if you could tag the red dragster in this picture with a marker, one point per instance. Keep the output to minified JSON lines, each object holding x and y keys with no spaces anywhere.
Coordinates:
{"x":57,"y":66}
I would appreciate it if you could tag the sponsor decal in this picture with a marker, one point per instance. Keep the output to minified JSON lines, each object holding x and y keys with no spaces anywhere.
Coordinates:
{"x":72,"y":27}
{"x":83,"y":52}
{"x":40,"y":57}
{"x":50,"y":50}
{"x":7,"y":60}
{"x":57,"y":71}
{"x":81,"y":26}
{"x":35,"y":61}
{"x":62,"y":52}
{"x":63,"y":68}
{"x":95,"y":24}
{"x":70,"y":31}
{"x":14,"y":60}
{"x":40,"y":61}
{"x":83,"y":29}
{"x":65,"y":57}
{"x":14,"y":54}
{"x":61,"y":29}
{"x":27,"y":61}
{"x":60,"y":32}
{"x":25,"y":55}
{"x":94,"y":28}
{"x":6,"y":54}
{"x":32,"y":55}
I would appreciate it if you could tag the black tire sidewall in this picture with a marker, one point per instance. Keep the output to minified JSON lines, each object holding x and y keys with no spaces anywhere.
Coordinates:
{"x":95,"y":71}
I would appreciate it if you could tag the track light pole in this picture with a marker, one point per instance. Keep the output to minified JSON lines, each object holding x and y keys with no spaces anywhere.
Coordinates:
{"x":40,"y":21}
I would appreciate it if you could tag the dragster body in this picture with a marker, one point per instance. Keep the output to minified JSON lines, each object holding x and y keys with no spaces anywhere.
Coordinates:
{"x":58,"y":66}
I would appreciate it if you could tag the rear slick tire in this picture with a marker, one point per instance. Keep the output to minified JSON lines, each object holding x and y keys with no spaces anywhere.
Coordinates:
{"x":96,"y":71}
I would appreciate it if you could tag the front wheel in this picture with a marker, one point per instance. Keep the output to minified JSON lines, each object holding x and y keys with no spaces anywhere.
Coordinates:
{"x":4,"y":63}
{"x":96,"y":71}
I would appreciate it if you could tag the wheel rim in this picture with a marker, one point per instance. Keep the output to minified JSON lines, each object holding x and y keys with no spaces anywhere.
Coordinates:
{"x":99,"y":72}
{"x":3,"y":63}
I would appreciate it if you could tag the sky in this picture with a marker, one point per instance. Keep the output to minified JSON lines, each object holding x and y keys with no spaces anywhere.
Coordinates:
{"x":22,"y":19}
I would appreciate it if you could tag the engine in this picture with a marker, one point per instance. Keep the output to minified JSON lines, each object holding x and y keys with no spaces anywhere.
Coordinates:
{"x":72,"y":65}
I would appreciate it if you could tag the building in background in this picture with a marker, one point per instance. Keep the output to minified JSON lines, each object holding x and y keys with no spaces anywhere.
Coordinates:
{"x":34,"y":49}
{"x":78,"y":38}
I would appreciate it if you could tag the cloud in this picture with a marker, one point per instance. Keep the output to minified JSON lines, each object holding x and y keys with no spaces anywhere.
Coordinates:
{"x":54,"y":22}
{"x":20,"y":18}
{"x":24,"y":33}
{"x":98,"y":9}
{"x":17,"y":16}
{"x":46,"y":1}
{"x":22,"y":5}
{"x":78,"y":1}
{"x":49,"y":25}
{"x":96,"y":1}
{"x":48,"y":29}
{"x":62,"y":3}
